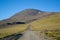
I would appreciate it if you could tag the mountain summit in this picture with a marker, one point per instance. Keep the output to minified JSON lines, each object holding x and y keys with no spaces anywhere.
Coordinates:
{"x":26,"y":15}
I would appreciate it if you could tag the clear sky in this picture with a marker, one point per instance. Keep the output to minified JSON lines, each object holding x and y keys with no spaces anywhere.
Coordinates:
{"x":10,"y":7}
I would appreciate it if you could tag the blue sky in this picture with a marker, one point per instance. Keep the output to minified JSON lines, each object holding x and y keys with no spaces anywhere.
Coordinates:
{"x":10,"y":7}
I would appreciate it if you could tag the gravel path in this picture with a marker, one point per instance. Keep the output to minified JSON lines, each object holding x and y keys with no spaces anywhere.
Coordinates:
{"x":31,"y":35}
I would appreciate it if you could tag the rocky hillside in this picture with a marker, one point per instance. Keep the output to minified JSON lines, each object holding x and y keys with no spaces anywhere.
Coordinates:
{"x":26,"y":15}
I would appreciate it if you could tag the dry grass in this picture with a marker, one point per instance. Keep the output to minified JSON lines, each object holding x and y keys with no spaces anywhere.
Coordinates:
{"x":49,"y":23}
{"x":55,"y":34}
{"x":12,"y":29}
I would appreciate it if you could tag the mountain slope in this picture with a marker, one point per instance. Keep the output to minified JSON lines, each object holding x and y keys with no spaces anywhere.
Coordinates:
{"x":26,"y":15}
{"x":49,"y":23}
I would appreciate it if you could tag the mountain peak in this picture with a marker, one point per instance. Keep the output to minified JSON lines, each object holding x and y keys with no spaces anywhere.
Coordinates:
{"x":30,"y":12}
{"x":32,"y":9}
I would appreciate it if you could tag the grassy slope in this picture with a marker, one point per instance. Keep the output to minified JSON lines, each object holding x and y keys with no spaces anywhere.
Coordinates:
{"x":49,"y":23}
{"x":12,"y":29}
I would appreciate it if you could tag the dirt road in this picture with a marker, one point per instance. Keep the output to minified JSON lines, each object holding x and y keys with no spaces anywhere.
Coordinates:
{"x":31,"y":35}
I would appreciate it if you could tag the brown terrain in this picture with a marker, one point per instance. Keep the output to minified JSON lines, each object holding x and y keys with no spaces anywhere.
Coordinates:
{"x":26,"y":15}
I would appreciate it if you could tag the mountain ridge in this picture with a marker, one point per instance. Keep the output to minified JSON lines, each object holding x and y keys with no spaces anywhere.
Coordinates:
{"x":26,"y":15}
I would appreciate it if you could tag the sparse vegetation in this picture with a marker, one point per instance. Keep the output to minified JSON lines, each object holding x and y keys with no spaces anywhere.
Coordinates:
{"x":12,"y":29}
{"x":49,"y":23}
{"x":54,"y":34}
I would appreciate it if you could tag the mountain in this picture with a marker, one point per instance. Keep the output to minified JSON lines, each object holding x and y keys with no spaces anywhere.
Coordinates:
{"x":26,"y":15}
